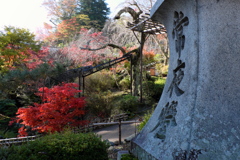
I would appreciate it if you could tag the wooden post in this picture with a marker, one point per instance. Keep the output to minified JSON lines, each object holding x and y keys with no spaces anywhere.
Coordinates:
{"x":120,"y":135}
{"x":131,"y":75}
{"x":141,"y":65}
{"x":79,"y":81}
{"x":135,"y":127}
{"x":83,"y":87}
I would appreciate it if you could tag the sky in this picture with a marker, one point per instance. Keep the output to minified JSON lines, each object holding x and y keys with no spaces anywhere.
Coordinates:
{"x":30,"y":14}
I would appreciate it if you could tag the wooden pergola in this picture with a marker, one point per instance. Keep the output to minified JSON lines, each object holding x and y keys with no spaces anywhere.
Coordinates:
{"x":146,"y":26}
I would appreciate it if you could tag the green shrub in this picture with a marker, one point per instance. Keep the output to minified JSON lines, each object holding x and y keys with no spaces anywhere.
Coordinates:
{"x":99,"y":82}
{"x":154,"y":88}
{"x":8,"y":110}
{"x":128,"y":104}
{"x":100,"y":104}
{"x":98,"y":93}
{"x":125,"y":83}
{"x":146,"y":117}
{"x":59,"y":146}
{"x":158,"y":88}
{"x":128,"y":157}
{"x":160,"y":81}
{"x":162,"y":69}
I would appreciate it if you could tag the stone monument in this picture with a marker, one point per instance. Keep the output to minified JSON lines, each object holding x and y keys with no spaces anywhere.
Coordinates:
{"x":198,"y":115}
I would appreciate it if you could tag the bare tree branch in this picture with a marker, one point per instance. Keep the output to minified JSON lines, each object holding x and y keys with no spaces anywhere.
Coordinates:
{"x":129,"y":10}
{"x":107,"y":45}
{"x":135,"y":4}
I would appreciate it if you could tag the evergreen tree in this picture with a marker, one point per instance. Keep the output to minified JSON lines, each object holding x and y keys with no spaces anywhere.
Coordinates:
{"x":96,"y":10}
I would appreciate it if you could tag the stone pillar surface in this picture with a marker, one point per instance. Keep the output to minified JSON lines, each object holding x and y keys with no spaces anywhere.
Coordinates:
{"x":198,"y":115}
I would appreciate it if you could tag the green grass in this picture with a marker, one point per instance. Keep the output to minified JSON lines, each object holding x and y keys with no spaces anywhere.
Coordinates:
{"x":160,"y":81}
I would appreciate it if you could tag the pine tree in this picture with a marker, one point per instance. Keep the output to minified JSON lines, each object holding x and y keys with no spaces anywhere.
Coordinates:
{"x":96,"y":10}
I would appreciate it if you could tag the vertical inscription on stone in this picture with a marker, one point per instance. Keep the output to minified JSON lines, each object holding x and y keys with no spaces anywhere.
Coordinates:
{"x":179,"y":22}
{"x":166,"y":118}
{"x":178,"y":76}
{"x":168,"y":113}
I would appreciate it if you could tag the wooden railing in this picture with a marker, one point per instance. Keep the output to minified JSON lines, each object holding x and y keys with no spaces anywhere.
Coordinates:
{"x":98,"y":123}
{"x":118,"y":119}
{"x":92,"y":69}
{"x":19,"y":140}
{"x":88,"y":70}
{"x":90,"y":127}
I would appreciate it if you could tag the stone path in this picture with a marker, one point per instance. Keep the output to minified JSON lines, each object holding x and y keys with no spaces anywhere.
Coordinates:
{"x":112,"y":132}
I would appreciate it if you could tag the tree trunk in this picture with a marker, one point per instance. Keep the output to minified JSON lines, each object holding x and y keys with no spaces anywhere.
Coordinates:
{"x":136,"y":73}
{"x":137,"y":68}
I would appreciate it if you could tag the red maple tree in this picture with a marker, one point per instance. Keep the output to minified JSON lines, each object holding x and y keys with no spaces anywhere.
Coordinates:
{"x":36,"y":58}
{"x":60,"y":108}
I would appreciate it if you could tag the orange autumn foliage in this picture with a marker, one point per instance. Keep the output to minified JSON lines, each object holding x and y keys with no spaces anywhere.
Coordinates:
{"x":148,"y":57}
